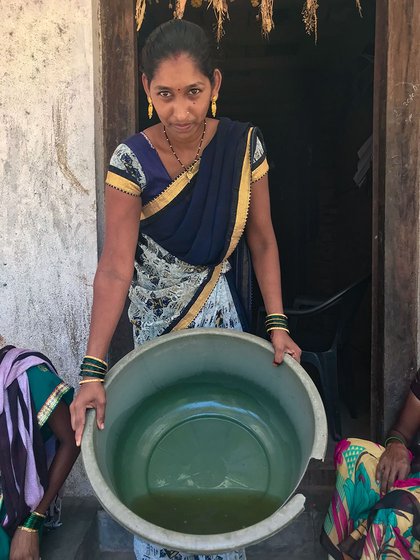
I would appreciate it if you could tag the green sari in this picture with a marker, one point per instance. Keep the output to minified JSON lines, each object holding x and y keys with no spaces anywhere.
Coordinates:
{"x":47,"y":390}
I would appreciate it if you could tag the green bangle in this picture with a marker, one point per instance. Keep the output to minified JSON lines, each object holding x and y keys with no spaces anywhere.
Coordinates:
{"x":34,"y":521}
{"x":95,"y":360}
{"x":88,"y":367}
{"x":388,"y":439}
{"x":90,"y":373}
{"x":94,"y":366}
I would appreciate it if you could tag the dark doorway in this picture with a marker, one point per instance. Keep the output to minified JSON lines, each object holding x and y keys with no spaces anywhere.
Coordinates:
{"x":313,"y":103}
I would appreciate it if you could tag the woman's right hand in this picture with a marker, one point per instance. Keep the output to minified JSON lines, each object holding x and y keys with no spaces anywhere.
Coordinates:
{"x":90,"y":395}
{"x":393,"y":465}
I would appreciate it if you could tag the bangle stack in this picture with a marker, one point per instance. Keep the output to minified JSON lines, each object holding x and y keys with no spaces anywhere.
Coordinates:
{"x":33,"y":523}
{"x":94,"y":368}
{"x":276,"y":322}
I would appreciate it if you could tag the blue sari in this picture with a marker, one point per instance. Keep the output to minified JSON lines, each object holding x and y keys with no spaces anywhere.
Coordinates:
{"x":191,"y":224}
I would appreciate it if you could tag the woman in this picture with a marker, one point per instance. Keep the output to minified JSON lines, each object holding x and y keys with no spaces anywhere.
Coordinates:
{"x":34,"y":416}
{"x":197,"y":183}
{"x":375,"y":510}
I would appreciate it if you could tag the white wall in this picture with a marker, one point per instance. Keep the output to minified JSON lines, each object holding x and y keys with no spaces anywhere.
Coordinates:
{"x":48,"y":238}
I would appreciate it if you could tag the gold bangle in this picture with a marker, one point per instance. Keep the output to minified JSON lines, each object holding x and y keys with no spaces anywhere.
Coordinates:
{"x":276,"y":315}
{"x":91,"y":381}
{"x":22,"y":528}
{"x":98,"y":359}
{"x":278,"y":329}
{"x":39,"y":514}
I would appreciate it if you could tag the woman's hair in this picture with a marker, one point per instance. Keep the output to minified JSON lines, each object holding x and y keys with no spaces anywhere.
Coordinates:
{"x":175,"y":37}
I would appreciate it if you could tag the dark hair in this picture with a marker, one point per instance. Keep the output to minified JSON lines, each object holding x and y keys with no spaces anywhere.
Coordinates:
{"x":173,"y":38}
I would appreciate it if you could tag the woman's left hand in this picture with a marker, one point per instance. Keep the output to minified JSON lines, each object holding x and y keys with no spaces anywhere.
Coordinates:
{"x":283,"y":344}
{"x":24,"y":546}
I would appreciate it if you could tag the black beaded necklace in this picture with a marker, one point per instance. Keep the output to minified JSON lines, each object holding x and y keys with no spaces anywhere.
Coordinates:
{"x":197,"y":156}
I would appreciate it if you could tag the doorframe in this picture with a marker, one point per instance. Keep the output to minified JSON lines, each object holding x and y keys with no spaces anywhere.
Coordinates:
{"x":396,"y":210}
{"x":116,"y":85}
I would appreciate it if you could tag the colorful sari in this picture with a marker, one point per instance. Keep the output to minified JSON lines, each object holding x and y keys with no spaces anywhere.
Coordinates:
{"x":46,"y":390}
{"x":191,"y":269}
{"x":361,"y":523}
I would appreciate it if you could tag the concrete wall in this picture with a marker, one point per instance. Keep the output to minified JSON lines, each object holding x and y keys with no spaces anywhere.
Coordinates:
{"x":48,"y":234}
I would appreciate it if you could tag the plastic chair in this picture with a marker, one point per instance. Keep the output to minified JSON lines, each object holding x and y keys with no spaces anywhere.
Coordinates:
{"x":323,"y":348}
{"x":322,"y":329}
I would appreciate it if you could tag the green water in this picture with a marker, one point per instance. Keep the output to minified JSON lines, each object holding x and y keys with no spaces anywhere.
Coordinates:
{"x":204,"y":513}
{"x":211,"y":454}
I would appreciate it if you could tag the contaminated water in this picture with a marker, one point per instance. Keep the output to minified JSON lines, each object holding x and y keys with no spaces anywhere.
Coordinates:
{"x":207,"y":455}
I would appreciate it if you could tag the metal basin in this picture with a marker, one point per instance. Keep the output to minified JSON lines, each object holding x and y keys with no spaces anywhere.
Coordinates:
{"x":205,"y":441}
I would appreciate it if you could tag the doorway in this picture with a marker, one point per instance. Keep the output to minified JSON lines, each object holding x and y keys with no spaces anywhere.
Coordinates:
{"x":314,"y":105}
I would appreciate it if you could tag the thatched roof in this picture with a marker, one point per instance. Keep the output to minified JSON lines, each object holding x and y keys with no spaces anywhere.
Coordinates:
{"x":264,"y":12}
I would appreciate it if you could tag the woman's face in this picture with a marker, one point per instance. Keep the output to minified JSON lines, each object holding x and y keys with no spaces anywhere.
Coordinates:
{"x":181,"y":95}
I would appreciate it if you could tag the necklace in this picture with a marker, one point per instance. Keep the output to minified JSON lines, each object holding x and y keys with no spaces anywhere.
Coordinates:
{"x":197,"y":155}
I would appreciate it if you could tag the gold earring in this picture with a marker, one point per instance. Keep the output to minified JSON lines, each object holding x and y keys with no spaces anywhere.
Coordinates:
{"x":213,"y":105}
{"x":150,"y":108}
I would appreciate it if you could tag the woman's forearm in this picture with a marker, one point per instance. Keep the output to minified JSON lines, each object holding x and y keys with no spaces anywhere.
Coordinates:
{"x":65,"y":456}
{"x":109,"y":296}
{"x":263,"y":246}
{"x":408,"y":422}
{"x":60,"y":468}
{"x":266,"y":263}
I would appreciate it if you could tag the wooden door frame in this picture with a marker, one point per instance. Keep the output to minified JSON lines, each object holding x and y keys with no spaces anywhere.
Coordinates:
{"x":395,"y":260}
{"x":116,"y":100}
{"x":396,"y":240}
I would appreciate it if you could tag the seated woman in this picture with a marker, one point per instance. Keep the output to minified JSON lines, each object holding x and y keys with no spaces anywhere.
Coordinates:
{"x":34,"y":413}
{"x":375,"y":510}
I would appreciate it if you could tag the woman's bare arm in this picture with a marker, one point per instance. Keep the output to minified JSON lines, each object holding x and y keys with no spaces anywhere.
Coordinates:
{"x":25,"y":545}
{"x":112,"y":281}
{"x":115,"y":268}
{"x":265,"y":259}
{"x":66,"y":455}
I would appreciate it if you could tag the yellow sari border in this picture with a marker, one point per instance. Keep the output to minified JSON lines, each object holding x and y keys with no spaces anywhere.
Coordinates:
{"x":52,"y":401}
{"x":244,"y":199}
{"x":170,"y":193}
{"x":122,"y":184}
{"x":200,"y":301}
{"x":259,"y":172}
